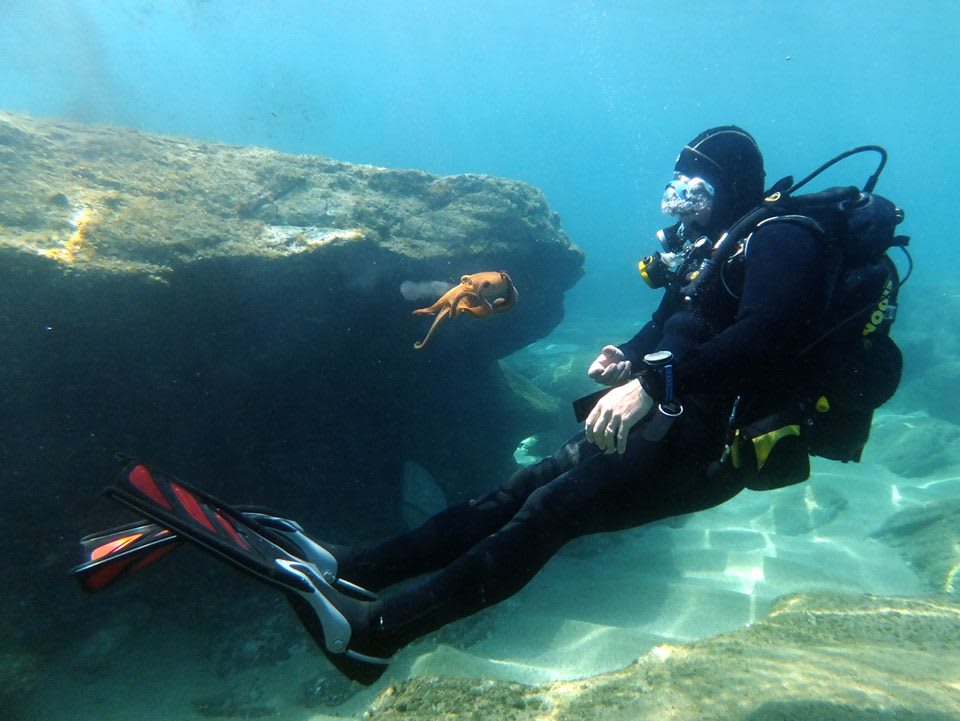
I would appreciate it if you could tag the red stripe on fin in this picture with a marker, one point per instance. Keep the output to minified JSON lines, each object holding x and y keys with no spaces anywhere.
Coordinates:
{"x":103,"y":576}
{"x":113,"y":546}
{"x":142,"y":480}
{"x":192,"y":507}
{"x":228,"y":527}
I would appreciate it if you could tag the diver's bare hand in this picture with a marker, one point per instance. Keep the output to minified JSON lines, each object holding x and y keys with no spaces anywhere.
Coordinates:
{"x":610,"y":367}
{"x":610,"y":421}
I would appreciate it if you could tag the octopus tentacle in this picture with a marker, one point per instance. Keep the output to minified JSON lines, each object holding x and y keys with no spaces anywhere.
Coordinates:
{"x":454,"y":306}
{"x":502,"y":304}
{"x":433,"y":327}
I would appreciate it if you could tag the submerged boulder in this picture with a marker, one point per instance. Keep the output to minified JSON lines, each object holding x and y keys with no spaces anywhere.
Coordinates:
{"x":813,"y":657}
{"x":243,"y":316}
{"x":928,"y":538}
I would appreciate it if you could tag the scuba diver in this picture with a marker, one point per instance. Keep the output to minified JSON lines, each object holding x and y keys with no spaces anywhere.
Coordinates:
{"x":728,"y":347}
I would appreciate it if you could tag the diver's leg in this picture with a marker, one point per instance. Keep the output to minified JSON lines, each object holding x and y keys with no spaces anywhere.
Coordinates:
{"x":602,"y":493}
{"x":448,"y":534}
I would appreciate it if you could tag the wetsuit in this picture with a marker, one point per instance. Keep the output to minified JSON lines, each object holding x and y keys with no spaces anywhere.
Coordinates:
{"x":487,"y":549}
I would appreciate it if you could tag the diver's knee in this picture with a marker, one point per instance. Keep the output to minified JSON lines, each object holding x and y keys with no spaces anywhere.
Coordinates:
{"x":501,"y":497}
{"x":547,"y":511}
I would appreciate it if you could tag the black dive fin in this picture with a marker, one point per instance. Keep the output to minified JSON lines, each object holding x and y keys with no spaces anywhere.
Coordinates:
{"x":113,"y":554}
{"x":272,"y":549}
{"x":200,"y":518}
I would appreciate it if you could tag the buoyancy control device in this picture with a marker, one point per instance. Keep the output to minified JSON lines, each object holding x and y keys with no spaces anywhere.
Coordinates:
{"x":855,"y":364}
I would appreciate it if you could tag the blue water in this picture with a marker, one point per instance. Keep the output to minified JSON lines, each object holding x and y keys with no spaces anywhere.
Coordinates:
{"x":589,"y":101}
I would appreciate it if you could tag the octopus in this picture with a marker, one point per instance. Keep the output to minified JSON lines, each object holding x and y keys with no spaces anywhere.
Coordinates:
{"x":473,"y":296}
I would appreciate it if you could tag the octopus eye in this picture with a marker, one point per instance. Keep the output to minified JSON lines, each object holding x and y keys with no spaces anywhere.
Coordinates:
{"x":485,"y":284}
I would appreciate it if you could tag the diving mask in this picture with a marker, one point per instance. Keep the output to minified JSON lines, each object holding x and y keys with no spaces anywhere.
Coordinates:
{"x":687,"y":197}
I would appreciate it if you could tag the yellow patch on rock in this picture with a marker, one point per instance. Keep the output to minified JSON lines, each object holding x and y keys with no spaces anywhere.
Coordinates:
{"x":78,"y":245}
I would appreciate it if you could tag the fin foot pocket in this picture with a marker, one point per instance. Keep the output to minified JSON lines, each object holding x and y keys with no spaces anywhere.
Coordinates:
{"x":359,"y":667}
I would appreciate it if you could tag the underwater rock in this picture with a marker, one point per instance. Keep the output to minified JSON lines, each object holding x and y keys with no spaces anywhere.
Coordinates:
{"x":929,"y":341}
{"x":237,"y":314}
{"x":108,"y":201}
{"x":936,"y":390}
{"x":98,"y":653}
{"x":914,"y":445}
{"x":558,"y":369}
{"x":326,"y":691}
{"x":422,"y":495}
{"x":813,"y":657}
{"x":244,"y":647}
{"x":247,"y":702}
{"x":20,"y":673}
{"x":928,"y":538}
{"x":805,"y":507}
{"x":529,"y":394}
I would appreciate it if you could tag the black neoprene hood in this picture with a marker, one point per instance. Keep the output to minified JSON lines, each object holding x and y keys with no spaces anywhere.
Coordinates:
{"x":729,"y":159}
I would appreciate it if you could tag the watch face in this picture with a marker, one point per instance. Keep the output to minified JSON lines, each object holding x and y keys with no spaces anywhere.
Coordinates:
{"x":658,"y":357}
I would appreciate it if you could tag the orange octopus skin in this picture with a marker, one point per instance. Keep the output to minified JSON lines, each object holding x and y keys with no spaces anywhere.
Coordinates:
{"x":471,"y":297}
